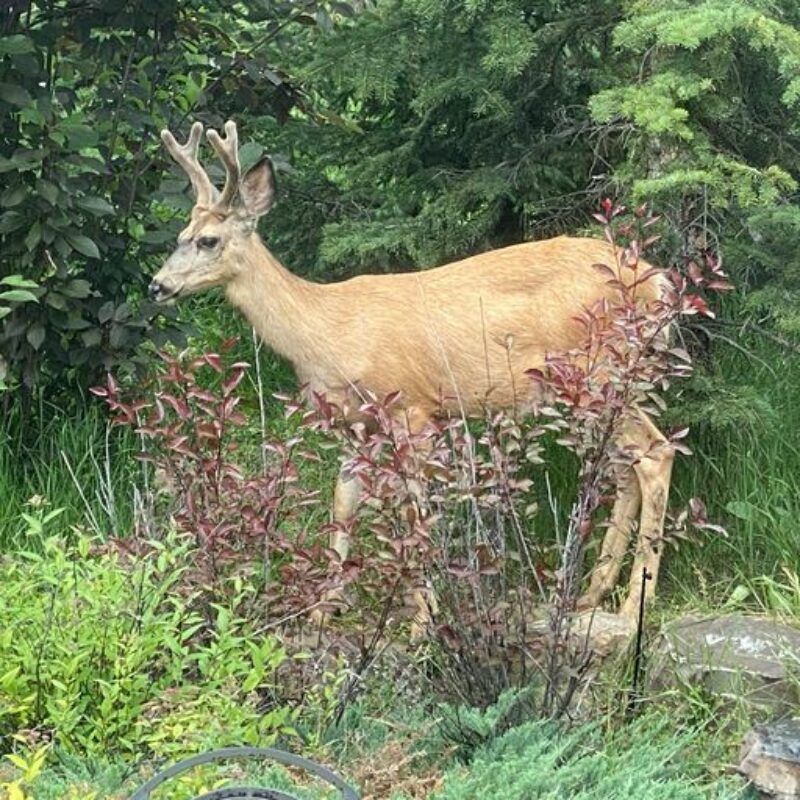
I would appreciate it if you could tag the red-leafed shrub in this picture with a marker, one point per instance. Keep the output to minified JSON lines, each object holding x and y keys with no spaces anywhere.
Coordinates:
{"x":191,"y":427}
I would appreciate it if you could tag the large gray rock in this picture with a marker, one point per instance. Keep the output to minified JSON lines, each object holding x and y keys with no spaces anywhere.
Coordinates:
{"x":745,"y":657}
{"x":771,"y":759}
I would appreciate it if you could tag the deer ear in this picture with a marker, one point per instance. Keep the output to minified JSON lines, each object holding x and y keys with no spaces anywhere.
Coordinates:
{"x":257,"y":188}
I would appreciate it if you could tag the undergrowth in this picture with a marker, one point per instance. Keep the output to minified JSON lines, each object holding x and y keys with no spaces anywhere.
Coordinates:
{"x":102,"y":653}
{"x":645,"y":760}
{"x":64,"y":482}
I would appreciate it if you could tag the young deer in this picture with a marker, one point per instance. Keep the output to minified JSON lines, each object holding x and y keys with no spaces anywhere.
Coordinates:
{"x":466,"y":332}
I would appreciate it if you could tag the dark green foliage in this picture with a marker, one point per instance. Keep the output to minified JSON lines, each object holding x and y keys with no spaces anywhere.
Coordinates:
{"x":406,"y":134}
{"x":464,"y":138}
{"x":474,"y":125}
{"x":703,"y":114}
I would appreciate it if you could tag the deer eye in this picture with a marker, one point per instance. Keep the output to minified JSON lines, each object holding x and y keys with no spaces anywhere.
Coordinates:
{"x":208,"y":242}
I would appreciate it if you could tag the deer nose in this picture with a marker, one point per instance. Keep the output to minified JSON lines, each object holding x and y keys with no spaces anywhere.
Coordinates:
{"x":154,"y":289}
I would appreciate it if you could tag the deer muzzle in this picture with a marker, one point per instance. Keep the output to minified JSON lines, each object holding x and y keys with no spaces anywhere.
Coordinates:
{"x":161,"y":293}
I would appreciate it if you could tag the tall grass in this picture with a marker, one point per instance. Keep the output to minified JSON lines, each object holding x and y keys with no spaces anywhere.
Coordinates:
{"x":63,"y":457}
{"x":51,"y":458}
{"x":746,"y":466}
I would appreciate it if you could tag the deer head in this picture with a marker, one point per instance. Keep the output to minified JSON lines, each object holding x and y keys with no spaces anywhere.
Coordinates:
{"x":211,"y":248}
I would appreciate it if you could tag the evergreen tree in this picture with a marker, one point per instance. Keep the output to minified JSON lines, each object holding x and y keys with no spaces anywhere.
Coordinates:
{"x":467,"y":126}
{"x":705,"y":117}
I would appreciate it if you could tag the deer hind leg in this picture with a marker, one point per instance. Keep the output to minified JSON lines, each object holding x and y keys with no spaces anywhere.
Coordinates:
{"x":654,"y":472}
{"x":615,"y":542}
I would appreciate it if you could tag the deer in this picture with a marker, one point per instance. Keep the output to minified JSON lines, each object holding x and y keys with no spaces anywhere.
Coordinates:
{"x":452,"y":339}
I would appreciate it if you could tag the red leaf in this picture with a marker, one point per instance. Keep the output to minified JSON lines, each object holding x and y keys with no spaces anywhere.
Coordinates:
{"x":213,"y":360}
{"x":604,"y":269}
{"x":695,"y":273}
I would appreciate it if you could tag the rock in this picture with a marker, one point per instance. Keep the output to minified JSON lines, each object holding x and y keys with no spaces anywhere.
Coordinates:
{"x":608,"y":634}
{"x":771,"y":759}
{"x":603,"y":633}
{"x":739,"y":656}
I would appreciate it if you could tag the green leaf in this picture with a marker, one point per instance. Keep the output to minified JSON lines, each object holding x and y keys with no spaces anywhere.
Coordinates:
{"x":13,"y":196}
{"x":56,"y":300}
{"x":14,"y":94}
{"x":737,"y":596}
{"x":47,"y":190}
{"x":75,"y":322}
{"x":79,"y":135}
{"x":35,"y":335}
{"x":22,"y":161}
{"x":251,"y":681}
{"x":92,"y":337}
{"x":249,"y":154}
{"x":33,"y":237}
{"x":19,"y":296}
{"x":27,"y":64}
{"x":741,"y":509}
{"x":11,"y":221}
{"x":98,"y":206}
{"x":158,"y":236}
{"x":62,"y":247}
{"x":83,"y":244}
{"x":77,"y":288}
{"x":18,"y":282}
{"x":16,"y":45}
{"x":118,"y":336}
{"x":105,"y":312}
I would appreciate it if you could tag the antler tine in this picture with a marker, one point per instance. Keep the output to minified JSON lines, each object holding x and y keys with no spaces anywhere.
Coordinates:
{"x":228,"y":151}
{"x":186,"y":156}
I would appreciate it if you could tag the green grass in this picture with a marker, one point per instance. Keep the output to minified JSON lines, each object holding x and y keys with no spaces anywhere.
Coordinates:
{"x":647,"y":759}
{"x":70,"y":459}
{"x":746,"y":467}
{"x":658,"y":756}
{"x":67,"y":460}
{"x":70,"y":778}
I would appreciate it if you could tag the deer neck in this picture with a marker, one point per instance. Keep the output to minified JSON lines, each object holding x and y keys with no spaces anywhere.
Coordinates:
{"x":287,"y":312}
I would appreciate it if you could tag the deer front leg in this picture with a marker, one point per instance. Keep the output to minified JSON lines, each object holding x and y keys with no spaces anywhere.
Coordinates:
{"x":346,"y":495}
{"x":422,"y":597}
{"x":654,"y":472}
{"x":615,"y":542}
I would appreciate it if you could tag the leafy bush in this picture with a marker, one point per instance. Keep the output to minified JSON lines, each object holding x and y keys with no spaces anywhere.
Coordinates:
{"x":445,"y":508}
{"x":454,"y":509}
{"x":84,"y":90}
{"x":102,"y":655}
